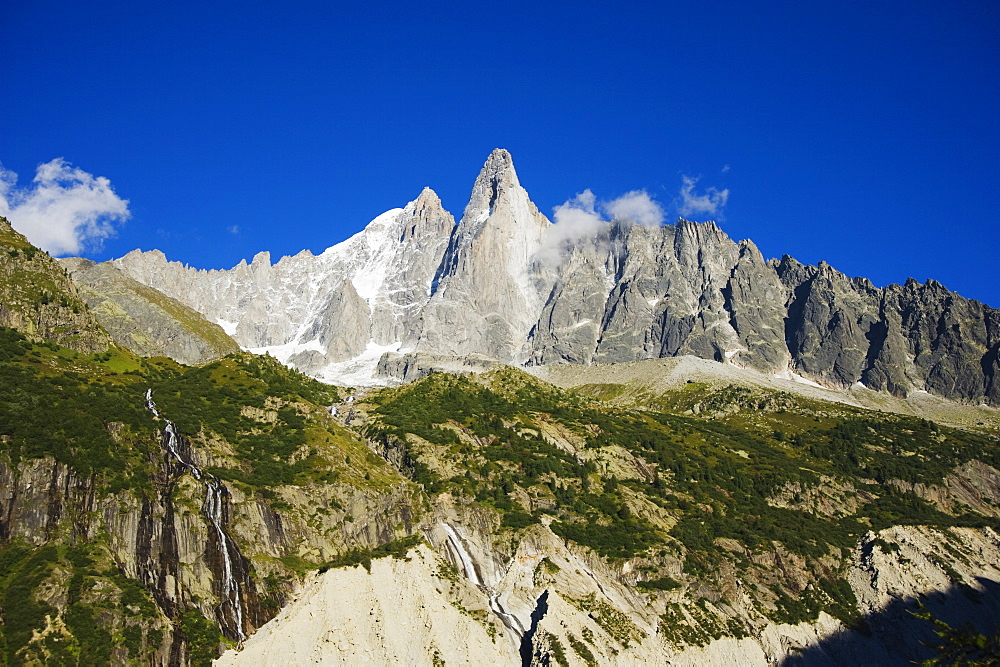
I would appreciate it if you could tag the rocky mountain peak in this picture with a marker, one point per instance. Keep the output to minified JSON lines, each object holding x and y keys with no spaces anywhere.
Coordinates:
{"x":498,"y":162}
{"x":496,"y":178}
{"x":427,"y":204}
{"x":420,"y":283}
{"x":427,"y":197}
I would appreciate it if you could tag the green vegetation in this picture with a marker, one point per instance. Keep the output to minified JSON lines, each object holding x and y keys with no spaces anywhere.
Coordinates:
{"x":35,"y":289}
{"x":87,"y":411}
{"x":203,"y":638}
{"x":581,"y":649}
{"x":525,"y":449}
{"x":612,"y":620}
{"x":219,"y":398}
{"x":661,"y":584}
{"x":558,"y":652}
{"x":56,"y":404}
{"x":62,"y":404}
{"x":97,"y":598}
{"x":364,"y":557}
{"x":960,"y":646}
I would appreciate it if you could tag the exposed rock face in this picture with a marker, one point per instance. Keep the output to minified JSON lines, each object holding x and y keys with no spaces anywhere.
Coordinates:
{"x":342,"y":326}
{"x":900,"y":338}
{"x":144,"y":320}
{"x":415,"y":365}
{"x":38,"y":299}
{"x":402,"y":612}
{"x":684,"y":289}
{"x":485,"y":298}
{"x":183,"y":537}
{"x":328,"y":306}
{"x":505,"y":283}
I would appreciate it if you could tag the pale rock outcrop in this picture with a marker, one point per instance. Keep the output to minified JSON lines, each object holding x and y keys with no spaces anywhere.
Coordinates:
{"x":548,"y":593}
{"x":485,"y":297}
{"x":403,"y":612}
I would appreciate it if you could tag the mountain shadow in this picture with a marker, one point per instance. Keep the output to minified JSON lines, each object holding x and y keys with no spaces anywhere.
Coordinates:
{"x":897,"y":636}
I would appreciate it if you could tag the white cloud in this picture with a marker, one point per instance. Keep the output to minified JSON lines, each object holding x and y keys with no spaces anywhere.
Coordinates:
{"x":233,"y":229}
{"x":64,"y":210}
{"x":709,"y":203}
{"x":636,"y":206}
{"x":583,"y":217}
{"x":578,"y":216}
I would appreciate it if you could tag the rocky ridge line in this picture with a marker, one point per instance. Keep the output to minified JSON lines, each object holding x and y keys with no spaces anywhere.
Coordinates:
{"x":413,"y":281}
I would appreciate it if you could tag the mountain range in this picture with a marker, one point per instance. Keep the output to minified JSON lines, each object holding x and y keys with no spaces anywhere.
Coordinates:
{"x":613,"y":443}
{"x":505,"y":284}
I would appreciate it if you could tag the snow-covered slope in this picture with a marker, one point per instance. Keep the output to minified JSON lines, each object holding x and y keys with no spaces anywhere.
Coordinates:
{"x":327,"y":314}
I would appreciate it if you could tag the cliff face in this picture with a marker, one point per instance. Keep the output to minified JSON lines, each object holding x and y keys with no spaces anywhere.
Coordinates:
{"x":900,"y":338}
{"x":506,"y":284}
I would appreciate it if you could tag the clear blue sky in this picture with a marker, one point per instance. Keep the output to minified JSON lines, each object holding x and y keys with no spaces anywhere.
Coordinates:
{"x":863,"y":134}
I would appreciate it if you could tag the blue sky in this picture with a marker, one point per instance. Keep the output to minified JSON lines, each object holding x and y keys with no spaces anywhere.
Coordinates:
{"x":863,"y":134}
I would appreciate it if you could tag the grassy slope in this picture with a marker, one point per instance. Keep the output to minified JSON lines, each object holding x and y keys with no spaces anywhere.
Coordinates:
{"x":104,"y":286}
{"x":37,"y":296}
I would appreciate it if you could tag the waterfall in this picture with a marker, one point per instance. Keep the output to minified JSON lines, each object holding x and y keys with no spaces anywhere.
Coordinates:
{"x":463,"y":555}
{"x":231,"y":603}
{"x":511,"y":622}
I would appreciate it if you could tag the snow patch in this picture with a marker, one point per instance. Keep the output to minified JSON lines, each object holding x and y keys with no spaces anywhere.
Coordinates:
{"x":228,"y":326}
{"x":359,"y":371}
{"x":788,"y":374}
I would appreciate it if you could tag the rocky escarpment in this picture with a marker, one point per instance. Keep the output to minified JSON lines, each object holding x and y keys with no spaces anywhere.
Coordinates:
{"x":507,"y":284}
{"x":38,"y":298}
{"x":153,"y":539}
{"x":145,"y":320}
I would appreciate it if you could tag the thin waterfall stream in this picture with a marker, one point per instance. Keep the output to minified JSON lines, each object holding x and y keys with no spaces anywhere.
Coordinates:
{"x":232,"y":603}
{"x":511,"y":622}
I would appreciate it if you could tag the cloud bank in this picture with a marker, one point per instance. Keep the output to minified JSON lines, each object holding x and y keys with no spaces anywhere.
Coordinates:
{"x":65,"y":209}
{"x":709,"y":203}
